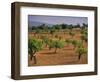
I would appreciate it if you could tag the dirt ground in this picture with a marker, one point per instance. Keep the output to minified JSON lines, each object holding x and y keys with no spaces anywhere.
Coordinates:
{"x":64,"y":56}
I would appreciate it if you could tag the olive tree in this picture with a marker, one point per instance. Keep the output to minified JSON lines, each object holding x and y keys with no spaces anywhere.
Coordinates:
{"x":51,"y":44}
{"x":71,"y":34}
{"x":37,"y":31}
{"x":45,"y":41}
{"x":84,"y":26}
{"x":56,"y":44}
{"x":68,"y":42}
{"x":84,"y":31}
{"x":77,"y":43}
{"x":33,"y":47}
{"x":81,"y":51}
{"x":57,"y":27}
{"x":56,"y":36}
{"x":74,"y":43}
{"x":84,"y":37}
{"x":52,"y":31}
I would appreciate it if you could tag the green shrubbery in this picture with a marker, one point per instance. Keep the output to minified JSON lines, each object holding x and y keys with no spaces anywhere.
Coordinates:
{"x":35,"y":45}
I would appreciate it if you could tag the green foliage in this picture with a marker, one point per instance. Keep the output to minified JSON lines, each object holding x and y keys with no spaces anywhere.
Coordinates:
{"x":81,"y":51}
{"x":74,"y":43}
{"x":84,"y":37}
{"x":64,"y":26}
{"x":52,"y":31}
{"x":51,"y":44}
{"x":34,"y":46}
{"x":71,"y":33}
{"x":84,"y":31}
{"x":79,"y":44}
{"x":42,"y":27}
{"x":84,"y":26}
{"x":57,"y":27}
{"x":84,"y":34}
{"x":37,"y":31}
{"x":56,"y":44}
{"x":45,"y":40}
{"x":56,"y":36}
{"x":68,"y":41}
{"x":77,"y":26}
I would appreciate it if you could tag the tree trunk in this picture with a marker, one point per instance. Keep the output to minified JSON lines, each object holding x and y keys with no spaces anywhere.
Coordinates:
{"x":31,"y":57}
{"x":86,"y":40}
{"x":46,"y":45}
{"x":35,"y":61}
{"x":49,"y":48}
{"x":55,"y":50}
{"x":79,"y":56}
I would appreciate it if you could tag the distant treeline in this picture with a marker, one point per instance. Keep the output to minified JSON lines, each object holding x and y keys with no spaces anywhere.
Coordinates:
{"x":57,"y":27}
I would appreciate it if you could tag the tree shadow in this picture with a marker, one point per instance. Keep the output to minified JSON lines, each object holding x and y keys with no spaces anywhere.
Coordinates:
{"x":48,"y":53}
{"x":68,"y":49}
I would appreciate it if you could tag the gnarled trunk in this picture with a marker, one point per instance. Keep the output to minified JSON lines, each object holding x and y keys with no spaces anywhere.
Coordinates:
{"x":32,"y":56}
{"x":55,"y":50}
{"x":35,"y":61}
{"x":79,"y":56}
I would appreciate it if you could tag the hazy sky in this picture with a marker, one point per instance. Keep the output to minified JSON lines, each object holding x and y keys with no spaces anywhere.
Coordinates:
{"x":57,"y":19}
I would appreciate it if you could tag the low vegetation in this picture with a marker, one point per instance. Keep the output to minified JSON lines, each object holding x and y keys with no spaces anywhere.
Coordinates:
{"x":57,"y":37}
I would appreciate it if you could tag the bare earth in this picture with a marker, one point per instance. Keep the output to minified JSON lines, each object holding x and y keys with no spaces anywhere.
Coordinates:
{"x":64,"y":56}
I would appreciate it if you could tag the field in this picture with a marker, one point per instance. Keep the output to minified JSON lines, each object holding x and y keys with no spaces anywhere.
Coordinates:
{"x":70,"y":47}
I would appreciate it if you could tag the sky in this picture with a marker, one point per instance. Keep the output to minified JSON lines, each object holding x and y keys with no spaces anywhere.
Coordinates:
{"x":56,"y":19}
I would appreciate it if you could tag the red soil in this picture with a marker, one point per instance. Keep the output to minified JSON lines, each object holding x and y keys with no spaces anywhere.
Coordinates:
{"x":64,"y":56}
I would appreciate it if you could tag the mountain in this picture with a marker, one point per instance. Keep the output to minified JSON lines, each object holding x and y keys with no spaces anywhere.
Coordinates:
{"x":35,"y":23}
